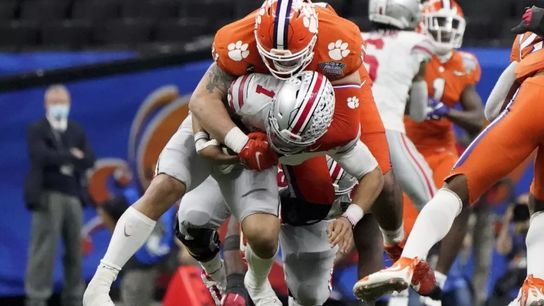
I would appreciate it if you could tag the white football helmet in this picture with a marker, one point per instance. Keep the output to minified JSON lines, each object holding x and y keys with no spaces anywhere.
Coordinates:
{"x":301,"y":112}
{"x":403,"y":14}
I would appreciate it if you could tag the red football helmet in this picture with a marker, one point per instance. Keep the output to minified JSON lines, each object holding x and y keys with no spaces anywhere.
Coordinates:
{"x":286,"y":33}
{"x":445,"y":22}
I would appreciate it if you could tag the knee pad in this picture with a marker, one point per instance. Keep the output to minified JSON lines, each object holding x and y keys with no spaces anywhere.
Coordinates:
{"x":202,"y":243}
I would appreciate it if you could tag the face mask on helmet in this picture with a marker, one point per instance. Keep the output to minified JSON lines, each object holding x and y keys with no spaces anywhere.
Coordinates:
{"x":446,"y":29}
{"x":286,"y":37}
{"x":284,"y":142}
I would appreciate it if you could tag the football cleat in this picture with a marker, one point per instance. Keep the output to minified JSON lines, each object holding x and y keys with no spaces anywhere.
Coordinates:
{"x":215,"y":288}
{"x":531,"y":293}
{"x":395,"y":278}
{"x":424,"y":281}
{"x":234,"y":299}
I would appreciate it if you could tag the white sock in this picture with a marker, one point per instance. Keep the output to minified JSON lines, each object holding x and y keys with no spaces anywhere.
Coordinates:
{"x":393,"y":237}
{"x":440,"y":279}
{"x":257,"y":267}
{"x":433,"y":223}
{"x":535,"y":245}
{"x":131,"y":231}
{"x":214,"y":268}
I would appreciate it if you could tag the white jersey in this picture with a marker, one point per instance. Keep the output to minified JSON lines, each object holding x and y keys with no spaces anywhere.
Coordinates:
{"x":250,"y":97}
{"x":393,"y":59}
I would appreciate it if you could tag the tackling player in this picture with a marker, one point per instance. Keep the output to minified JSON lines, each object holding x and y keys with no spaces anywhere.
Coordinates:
{"x":504,"y":144}
{"x":302,"y":121}
{"x":283,"y":38}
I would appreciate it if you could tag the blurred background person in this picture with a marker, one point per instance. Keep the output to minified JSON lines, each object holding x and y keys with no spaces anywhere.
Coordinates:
{"x":59,"y":155}
{"x":141,"y":272}
{"x":511,"y":244}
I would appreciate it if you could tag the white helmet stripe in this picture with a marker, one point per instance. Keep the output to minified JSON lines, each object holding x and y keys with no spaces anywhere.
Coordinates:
{"x":281,"y":24}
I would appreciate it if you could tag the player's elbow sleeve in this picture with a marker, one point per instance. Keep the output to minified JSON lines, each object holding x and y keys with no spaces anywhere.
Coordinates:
{"x":358,"y":161}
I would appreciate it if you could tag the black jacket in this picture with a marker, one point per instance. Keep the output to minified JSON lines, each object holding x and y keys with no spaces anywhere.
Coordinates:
{"x":48,"y":153}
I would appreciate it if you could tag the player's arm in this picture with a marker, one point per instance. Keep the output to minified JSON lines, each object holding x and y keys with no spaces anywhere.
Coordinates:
{"x":471,"y":117}
{"x":207,"y":106}
{"x":500,"y":92}
{"x":417,"y":106}
{"x":360,"y":163}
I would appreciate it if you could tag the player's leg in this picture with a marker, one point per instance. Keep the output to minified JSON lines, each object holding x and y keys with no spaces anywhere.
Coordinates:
{"x":532,"y":290}
{"x":388,"y":206}
{"x":252,"y":197}
{"x":201,"y":213}
{"x":411,"y":170}
{"x":441,"y":163}
{"x":178,"y":169}
{"x":308,"y":261}
{"x":236,"y":294}
{"x":369,"y":244}
{"x":493,"y":154}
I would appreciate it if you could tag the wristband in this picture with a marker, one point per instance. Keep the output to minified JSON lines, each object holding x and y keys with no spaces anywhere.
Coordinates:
{"x":354,"y":214}
{"x":202,"y":144}
{"x":236,"y":139}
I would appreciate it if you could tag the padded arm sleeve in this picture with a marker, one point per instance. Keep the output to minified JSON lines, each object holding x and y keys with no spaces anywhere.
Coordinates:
{"x":357,"y":161}
{"x":500,"y":91}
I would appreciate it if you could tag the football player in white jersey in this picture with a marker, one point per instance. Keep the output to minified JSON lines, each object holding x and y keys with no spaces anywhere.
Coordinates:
{"x":396,"y":56}
{"x":258,"y":101}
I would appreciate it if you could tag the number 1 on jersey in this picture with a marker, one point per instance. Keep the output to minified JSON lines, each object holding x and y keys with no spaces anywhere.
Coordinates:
{"x":438,"y":87}
{"x":264,"y":91}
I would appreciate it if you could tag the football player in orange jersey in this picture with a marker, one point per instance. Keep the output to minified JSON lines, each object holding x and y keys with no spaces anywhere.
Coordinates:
{"x":451,"y":78}
{"x":504,"y":144}
{"x":285,"y":37}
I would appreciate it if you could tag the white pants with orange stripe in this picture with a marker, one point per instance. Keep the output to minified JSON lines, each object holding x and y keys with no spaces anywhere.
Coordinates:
{"x":411,"y":170}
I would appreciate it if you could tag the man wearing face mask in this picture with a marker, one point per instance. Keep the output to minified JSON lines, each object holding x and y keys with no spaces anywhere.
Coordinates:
{"x":59,"y":154}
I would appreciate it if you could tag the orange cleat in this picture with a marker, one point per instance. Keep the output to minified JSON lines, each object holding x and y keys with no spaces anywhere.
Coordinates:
{"x":395,"y":278}
{"x":531,"y":293}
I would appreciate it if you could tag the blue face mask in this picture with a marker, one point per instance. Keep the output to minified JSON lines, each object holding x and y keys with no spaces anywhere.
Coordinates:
{"x":58,"y":111}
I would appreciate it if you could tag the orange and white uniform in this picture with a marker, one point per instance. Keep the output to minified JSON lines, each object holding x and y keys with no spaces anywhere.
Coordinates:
{"x":516,"y":133}
{"x":337,"y":53}
{"x":435,"y":139}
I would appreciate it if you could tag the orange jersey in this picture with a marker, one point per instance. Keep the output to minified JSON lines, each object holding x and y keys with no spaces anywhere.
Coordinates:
{"x":445,"y":82}
{"x":337,"y":52}
{"x":527,"y":51}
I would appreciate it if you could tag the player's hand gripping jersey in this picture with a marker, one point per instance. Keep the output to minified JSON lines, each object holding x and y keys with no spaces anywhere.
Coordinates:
{"x":393,"y":58}
{"x":445,"y":82}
